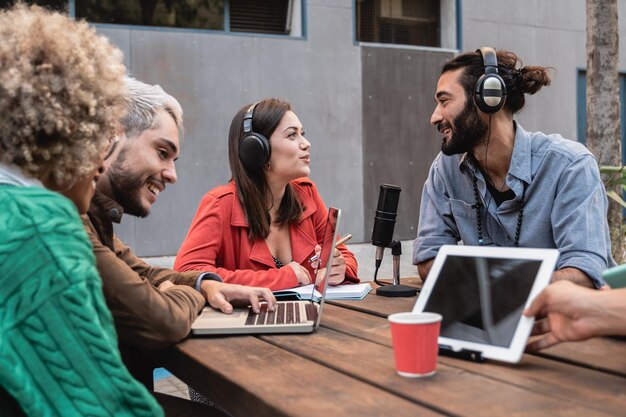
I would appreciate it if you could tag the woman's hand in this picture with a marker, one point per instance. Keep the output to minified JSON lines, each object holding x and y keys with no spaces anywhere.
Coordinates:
{"x":302,"y":275}
{"x":338,"y":269}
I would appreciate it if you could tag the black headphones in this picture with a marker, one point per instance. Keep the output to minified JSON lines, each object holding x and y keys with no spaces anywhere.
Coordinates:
{"x":254,"y":148}
{"x":490,"y":90}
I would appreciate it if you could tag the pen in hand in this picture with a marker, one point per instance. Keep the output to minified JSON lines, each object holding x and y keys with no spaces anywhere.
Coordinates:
{"x":339,"y":242}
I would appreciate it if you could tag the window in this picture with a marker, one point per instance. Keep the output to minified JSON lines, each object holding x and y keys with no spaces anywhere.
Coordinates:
{"x":277,"y":17}
{"x":58,"y":5}
{"x":268,"y":16}
{"x":196,"y":14}
{"x":405,"y":22}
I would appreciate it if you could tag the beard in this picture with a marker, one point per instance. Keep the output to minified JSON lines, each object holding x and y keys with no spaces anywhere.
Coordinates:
{"x":468,"y":131}
{"x":126,"y":187}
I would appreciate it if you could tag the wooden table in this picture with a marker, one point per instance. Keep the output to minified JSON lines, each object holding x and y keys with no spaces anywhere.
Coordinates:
{"x":345,"y":368}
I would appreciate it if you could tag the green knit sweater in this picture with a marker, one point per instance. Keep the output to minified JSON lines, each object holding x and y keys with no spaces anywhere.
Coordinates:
{"x":58,"y":348}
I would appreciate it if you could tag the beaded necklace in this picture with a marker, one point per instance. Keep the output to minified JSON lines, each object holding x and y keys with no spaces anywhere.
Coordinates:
{"x":479,"y":227}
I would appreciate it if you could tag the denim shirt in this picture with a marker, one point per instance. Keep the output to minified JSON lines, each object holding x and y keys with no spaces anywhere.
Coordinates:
{"x":565,"y":204}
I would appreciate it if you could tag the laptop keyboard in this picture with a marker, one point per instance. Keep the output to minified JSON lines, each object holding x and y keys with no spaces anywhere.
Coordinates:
{"x":285,"y":313}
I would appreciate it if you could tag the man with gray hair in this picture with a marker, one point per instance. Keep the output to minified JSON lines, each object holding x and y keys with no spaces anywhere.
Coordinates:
{"x":152,"y":307}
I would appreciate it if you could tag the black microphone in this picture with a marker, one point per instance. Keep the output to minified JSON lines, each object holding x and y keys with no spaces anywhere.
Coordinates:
{"x":382,"y":237}
{"x":385,"y":219}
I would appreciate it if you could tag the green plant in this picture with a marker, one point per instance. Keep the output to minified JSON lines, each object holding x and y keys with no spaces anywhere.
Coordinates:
{"x":614,"y":176}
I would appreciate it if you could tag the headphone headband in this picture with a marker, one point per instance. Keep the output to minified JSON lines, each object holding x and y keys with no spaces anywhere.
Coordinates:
{"x":247,"y":118}
{"x":490,"y":59}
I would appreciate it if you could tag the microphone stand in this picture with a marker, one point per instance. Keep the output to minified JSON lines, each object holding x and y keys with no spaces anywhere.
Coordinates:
{"x":395,"y":289}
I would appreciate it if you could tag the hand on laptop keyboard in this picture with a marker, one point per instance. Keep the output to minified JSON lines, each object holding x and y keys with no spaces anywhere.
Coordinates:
{"x":221,"y":295}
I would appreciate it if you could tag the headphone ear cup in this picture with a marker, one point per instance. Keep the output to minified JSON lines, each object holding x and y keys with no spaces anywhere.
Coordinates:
{"x":490,"y":93}
{"x":254,"y":151}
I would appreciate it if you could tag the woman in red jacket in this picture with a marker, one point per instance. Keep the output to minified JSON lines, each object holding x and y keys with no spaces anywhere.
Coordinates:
{"x":263,"y":226}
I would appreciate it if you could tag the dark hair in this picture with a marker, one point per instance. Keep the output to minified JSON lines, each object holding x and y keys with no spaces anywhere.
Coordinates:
{"x":252,"y":185}
{"x":519,"y":80}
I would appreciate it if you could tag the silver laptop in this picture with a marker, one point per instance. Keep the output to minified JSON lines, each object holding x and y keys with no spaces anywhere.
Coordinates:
{"x":289,"y":316}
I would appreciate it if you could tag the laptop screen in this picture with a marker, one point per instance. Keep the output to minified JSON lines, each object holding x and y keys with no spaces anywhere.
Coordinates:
{"x":481,"y":299}
{"x":327,"y":248}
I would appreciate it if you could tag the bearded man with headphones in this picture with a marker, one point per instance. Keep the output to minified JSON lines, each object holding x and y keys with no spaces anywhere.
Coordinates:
{"x":494,"y":183}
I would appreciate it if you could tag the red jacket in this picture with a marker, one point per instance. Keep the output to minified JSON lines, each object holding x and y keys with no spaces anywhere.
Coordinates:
{"x":218,"y":241}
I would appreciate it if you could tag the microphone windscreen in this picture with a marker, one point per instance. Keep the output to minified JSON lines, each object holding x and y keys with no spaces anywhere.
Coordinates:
{"x":385,"y":218}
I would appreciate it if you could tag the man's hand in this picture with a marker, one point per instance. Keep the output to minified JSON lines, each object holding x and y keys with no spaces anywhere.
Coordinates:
{"x":220,"y":295}
{"x":570,"y":313}
{"x":423,"y":269}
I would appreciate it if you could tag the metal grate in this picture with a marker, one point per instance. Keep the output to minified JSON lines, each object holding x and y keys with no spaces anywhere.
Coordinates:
{"x":405,"y":22}
{"x":268,"y":16}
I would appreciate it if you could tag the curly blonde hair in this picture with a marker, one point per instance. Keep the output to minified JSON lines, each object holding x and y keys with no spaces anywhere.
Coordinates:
{"x":61,"y":94}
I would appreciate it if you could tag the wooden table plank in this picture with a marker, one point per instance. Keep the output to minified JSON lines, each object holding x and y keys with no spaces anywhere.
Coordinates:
{"x":606,"y":354}
{"x":451,"y":390}
{"x":567,"y":382}
{"x":377,"y":305}
{"x":599,"y":353}
{"x":248,"y":376}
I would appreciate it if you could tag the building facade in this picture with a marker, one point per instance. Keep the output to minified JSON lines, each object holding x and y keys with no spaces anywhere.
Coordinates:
{"x":360,"y":74}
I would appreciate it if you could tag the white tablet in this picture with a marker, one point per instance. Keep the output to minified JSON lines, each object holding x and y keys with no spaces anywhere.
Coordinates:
{"x":481,"y":292}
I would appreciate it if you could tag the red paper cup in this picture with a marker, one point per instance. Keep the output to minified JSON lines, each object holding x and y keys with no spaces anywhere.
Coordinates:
{"x":415,"y":346}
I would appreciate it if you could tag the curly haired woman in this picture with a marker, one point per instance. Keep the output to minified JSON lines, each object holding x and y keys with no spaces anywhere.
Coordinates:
{"x":60,"y":97}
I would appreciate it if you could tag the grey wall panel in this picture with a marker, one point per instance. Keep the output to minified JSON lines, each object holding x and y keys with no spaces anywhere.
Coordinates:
{"x":333,"y":99}
{"x":399,"y":142}
{"x":214,"y":74}
{"x":120,"y":38}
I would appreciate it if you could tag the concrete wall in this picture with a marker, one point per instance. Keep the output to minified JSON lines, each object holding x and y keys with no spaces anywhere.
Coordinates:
{"x":366,"y":108}
{"x":399,"y":143}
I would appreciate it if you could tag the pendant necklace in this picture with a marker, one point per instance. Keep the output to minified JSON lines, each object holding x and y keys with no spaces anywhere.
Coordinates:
{"x":479,"y":204}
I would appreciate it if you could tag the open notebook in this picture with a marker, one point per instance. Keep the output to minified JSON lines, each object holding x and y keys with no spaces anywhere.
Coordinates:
{"x":336,"y":292}
{"x":289,"y":316}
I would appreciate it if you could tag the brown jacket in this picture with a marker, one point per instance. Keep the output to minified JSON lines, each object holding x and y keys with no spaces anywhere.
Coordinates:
{"x":144,"y":316}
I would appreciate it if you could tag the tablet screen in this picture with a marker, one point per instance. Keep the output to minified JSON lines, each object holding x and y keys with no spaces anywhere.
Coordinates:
{"x":480,"y":298}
